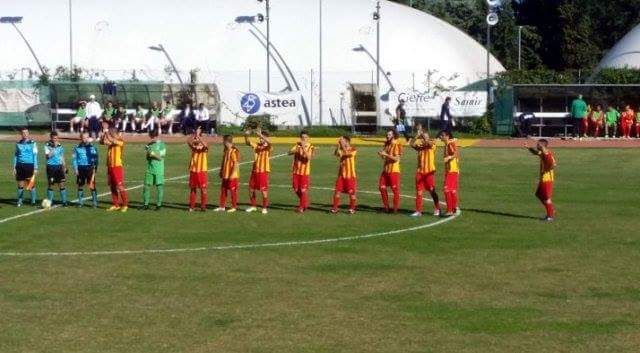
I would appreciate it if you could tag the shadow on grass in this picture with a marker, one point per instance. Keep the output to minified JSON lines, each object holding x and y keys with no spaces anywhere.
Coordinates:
{"x":497,"y":213}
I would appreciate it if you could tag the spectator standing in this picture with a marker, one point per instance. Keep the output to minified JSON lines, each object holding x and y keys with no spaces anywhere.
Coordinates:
{"x":578,"y":112}
{"x":203,"y":118}
{"x":78,"y":121}
{"x":611,"y":122}
{"x":94,"y":111}
{"x":400,"y":121}
{"x":187,"y":119}
{"x":446,"y":119}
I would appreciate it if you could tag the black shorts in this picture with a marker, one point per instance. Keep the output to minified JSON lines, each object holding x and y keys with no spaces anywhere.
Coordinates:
{"x":85,"y":174}
{"x":24,"y":171}
{"x":55,"y":174}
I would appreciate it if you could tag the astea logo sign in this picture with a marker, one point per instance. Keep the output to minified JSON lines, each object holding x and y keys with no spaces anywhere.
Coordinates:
{"x":252,"y":103}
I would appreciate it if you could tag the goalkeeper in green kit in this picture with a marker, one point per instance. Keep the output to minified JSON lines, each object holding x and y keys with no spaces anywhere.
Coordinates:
{"x":156,"y":151}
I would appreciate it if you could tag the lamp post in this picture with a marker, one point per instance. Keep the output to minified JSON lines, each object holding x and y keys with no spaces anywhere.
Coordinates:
{"x":320,"y":66}
{"x":70,"y":38}
{"x":494,"y":7}
{"x":159,"y":47}
{"x":12,"y":21}
{"x":267,"y":18}
{"x":376,"y":17}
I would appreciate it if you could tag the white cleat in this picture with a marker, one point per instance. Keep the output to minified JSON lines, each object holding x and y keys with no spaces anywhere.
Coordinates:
{"x":231,"y":210}
{"x":219,"y":209}
{"x":458,"y":211}
{"x":264,"y":211}
{"x":416,"y":214}
{"x":251,"y":209}
{"x":436,"y":213}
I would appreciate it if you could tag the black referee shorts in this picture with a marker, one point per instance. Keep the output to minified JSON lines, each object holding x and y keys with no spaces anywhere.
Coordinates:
{"x":55,"y":174}
{"x":24,"y":172}
{"x":85,"y":174}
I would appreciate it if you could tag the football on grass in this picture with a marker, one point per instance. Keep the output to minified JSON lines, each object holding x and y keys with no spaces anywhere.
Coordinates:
{"x":46,"y":204}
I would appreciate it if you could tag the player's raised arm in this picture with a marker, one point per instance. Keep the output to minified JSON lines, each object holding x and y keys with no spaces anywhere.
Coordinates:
{"x":264,"y":137}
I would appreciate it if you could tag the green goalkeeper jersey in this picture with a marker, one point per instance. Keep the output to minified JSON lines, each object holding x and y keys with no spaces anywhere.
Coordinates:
{"x":612,"y":116}
{"x":156,"y":151}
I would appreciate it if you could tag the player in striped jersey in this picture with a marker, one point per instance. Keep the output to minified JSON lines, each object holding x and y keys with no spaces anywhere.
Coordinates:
{"x":302,"y":154}
{"x":547,"y":176}
{"x":115,"y":169}
{"x":229,"y":175}
{"x":259,"y":180}
{"x":390,"y":177}
{"x":425,"y":175}
{"x":198,"y":170}
{"x":451,"y":173}
{"x":346,"y":182}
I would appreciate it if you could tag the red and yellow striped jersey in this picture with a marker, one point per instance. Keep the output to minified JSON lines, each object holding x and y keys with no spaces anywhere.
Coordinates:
{"x":393,"y":148}
{"x":451,"y":150}
{"x":261,"y":157}
{"x":114,"y":153}
{"x":347,"y":158}
{"x":547,"y":164}
{"x":302,"y":159}
{"x":426,"y":156}
{"x":198,"y":162}
{"x":230,"y":168}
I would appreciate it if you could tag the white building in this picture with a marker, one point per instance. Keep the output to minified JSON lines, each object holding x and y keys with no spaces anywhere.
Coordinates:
{"x":419,"y":52}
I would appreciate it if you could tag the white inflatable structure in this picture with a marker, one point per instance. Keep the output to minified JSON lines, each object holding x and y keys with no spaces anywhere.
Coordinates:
{"x":420,"y":54}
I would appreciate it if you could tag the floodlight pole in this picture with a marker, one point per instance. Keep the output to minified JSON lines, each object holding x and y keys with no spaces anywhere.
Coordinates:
{"x":377,"y":18}
{"x":320,"y":69}
{"x":13,"y":23}
{"x":268,"y":12}
{"x":519,"y":47}
{"x":488,"y":65}
{"x":173,"y":66}
{"x":70,"y":38}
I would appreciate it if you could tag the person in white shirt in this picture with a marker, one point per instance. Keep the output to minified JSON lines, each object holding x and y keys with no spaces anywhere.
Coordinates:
{"x":93,"y":116}
{"x":203,"y":119}
{"x":153,"y":117}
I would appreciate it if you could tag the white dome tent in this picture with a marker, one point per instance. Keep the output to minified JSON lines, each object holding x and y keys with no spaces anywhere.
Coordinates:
{"x":419,"y":52}
{"x":625,"y":54}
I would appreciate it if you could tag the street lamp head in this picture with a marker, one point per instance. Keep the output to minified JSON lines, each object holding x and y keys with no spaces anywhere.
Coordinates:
{"x":260,"y":17}
{"x":245,"y":19}
{"x":157,"y":48}
{"x":11,"y":19}
{"x":358,"y":48}
{"x":376,"y":16}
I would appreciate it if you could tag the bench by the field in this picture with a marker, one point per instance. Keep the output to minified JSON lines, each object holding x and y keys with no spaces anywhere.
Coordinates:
{"x":549,"y":120}
{"x":61,"y":117}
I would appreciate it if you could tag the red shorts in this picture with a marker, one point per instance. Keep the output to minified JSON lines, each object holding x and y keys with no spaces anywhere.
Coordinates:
{"x":259,"y":181}
{"x":451,"y":182}
{"x":300,"y":182}
{"x":198,"y":180}
{"x":545,"y":190}
{"x":229,"y":184}
{"x":425,"y":181}
{"x":115,"y":176}
{"x":346,"y":185}
{"x":389,"y":179}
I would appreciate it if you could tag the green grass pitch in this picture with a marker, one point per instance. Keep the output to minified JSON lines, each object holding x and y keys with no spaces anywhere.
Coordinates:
{"x":493,"y":280}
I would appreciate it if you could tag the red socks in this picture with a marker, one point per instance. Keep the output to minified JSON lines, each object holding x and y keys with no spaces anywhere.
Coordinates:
{"x":549,"y":208}
{"x":234,"y":198}
{"x":336,"y":201}
{"x":192,"y":199}
{"x":396,"y":200}
{"x":352,"y":202}
{"x":385,"y":198}
{"x":223,"y":197}
{"x":265,"y":202}
{"x":252,"y":199}
{"x":203,"y":199}
{"x":125,"y":198}
{"x":419,"y":203}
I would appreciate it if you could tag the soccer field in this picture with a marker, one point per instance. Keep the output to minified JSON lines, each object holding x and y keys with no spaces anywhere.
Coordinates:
{"x":494,"y":279}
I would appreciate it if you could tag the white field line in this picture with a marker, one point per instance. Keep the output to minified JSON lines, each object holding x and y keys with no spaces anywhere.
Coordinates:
{"x":239,"y":247}
{"x":224,"y":247}
{"x":31,"y":213}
